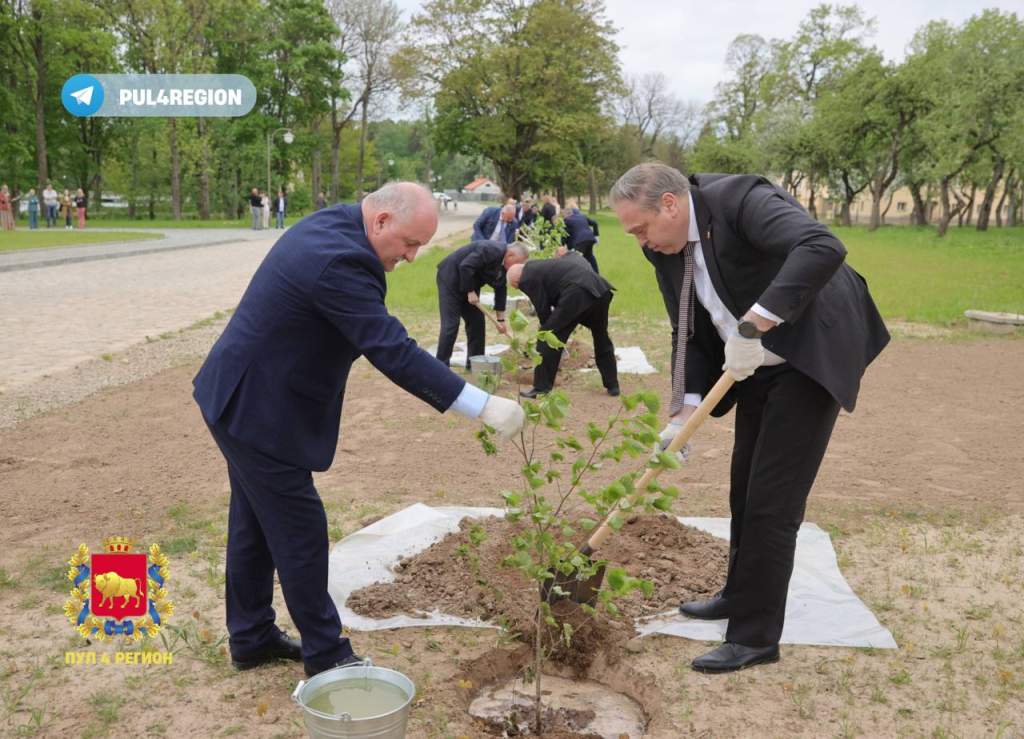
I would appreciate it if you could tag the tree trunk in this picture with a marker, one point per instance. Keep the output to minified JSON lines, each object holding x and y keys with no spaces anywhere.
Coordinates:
{"x":844,"y":213}
{"x":876,"y":208}
{"x":239,"y":205}
{"x":969,"y":205}
{"x":152,"y":195}
{"x":204,"y":170}
{"x":1008,"y":185}
{"x":920,"y":215}
{"x":363,"y":125}
{"x":42,"y":168}
{"x":885,"y":210}
{"x":175,"y":170}
{"x":946,"y":215}
{"x":1012,"y":218}
{"x":990,"y":194}
{"x":592,"y":181}
{"x":314,"y":180}
{"x":812,"y":208}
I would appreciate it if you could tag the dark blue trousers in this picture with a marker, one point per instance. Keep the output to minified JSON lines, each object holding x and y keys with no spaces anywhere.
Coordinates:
{"x":277,"y":521}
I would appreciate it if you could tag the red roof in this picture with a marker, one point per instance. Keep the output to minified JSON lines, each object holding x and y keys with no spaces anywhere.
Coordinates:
{"x":477,"y":183}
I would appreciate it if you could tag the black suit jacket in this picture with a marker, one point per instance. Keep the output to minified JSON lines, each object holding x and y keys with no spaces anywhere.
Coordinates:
{"x":560,"y":289}
{"x":761,"y":246}
{"x":473,"y":266}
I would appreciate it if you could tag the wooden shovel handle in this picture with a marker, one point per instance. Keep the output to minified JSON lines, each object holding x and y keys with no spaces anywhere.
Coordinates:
{"x":494,"y":320}
{"x":602,"y":532}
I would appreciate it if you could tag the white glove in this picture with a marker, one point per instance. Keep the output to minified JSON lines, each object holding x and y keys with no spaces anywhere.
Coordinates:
{"x":667,"y":435}
{"x":742,"y":356}
{"x":503,"y":415}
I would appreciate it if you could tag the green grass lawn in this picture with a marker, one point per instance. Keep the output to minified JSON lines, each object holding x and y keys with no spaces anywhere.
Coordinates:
{"x":42,"y":238}
{"x":912,"y":274}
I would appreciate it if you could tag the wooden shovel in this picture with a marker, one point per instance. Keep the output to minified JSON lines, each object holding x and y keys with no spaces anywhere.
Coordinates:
{"x":585,"y":591}
{"x":494,"y":320}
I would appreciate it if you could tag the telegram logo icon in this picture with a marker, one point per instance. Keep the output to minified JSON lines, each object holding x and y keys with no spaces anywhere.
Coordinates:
{"x":82,"y":95}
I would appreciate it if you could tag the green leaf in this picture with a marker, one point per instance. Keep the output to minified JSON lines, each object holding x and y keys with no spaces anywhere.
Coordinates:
{"x":518,"y":321}
{"x":549,"y":338}
{"x":594,"y":433}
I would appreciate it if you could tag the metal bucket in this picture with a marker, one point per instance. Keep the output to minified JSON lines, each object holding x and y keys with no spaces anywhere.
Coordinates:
{"x":483,"y":364}
{"x":320,"y":725}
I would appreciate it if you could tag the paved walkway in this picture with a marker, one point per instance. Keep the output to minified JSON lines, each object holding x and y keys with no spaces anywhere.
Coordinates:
{"x":55,"y":315}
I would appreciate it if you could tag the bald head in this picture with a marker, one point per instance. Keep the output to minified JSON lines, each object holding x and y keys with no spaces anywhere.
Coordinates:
{"x":515,"y":273}
{"x":508,"y":212}
{"x":399,"y":218}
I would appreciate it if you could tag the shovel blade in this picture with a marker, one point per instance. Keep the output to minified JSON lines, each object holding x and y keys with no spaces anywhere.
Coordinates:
{"x":572,"y":587}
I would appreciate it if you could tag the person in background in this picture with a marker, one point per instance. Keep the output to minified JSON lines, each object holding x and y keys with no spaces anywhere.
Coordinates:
{"x":67,"y":207}
{"x":265,"y":210}
{"x":271,"y":393}
{"x":33,"y":209}
{"x":566,"y":292}
{"x":6,"y":216}
{"x":496,"y":224}
{"x":581,"y":232}
{"x":81,"y":204}
{"x":549,"y":210}
{"x":460,"y":275}
{"x":279,"y":207}
{"x":321,"y":201}
{"x":50,"y":204}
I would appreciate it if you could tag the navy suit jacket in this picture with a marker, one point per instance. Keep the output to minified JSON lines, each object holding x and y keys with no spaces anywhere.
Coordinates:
{"x":579,"y":229}
{"x":484,"y":226}
{"x":276,"y":377}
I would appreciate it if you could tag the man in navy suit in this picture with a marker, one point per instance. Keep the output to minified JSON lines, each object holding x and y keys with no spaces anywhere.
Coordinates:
{"x":496,"y":224}
{"x":581,"y":232}
{"x":271,"y":392}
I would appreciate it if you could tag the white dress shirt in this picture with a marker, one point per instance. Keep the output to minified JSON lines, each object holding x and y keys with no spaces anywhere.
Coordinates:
{"x":497,"y":236}
{"x":723,"y":320}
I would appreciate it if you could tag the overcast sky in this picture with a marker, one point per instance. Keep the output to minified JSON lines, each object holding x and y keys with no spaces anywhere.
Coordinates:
{"x":688,"y":40}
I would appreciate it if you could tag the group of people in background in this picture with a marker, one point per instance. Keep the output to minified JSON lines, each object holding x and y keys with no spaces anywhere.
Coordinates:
{"x":52,"y":205}
{"x":262,"y":206}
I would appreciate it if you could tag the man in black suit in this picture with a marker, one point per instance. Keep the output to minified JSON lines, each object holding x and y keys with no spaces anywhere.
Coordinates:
{"x":496,"y":224}
{"x":271,"y":392}
{"x":769,"y":299}
{"x":460,"y":275}
{"x":581,"y":232}
{"x":566,"y":292}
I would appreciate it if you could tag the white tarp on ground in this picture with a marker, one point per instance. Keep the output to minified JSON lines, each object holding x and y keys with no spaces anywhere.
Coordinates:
{"x":459,"y":354}
{"x":821,"y":609}
{"x":631,"y":360}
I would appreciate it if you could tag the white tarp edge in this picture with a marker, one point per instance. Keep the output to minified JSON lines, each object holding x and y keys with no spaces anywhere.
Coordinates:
{"x":821,"y":609}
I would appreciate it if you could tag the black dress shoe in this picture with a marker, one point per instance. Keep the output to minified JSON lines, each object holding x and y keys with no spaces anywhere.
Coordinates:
{"x":731,"y":657}
{"x":614,"y":391}
{"x":281,"y":646}
{"x":532,"y":393}
{"x":353,"y":660}
{"x":712,"y":609}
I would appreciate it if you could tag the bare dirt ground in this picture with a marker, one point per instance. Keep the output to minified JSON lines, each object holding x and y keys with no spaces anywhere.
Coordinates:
{"x":922,"y":491}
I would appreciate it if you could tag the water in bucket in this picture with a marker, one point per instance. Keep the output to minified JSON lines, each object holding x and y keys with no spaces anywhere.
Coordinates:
{"x":363,"y":698}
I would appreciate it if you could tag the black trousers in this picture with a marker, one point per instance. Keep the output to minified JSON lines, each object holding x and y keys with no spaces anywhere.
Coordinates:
{"x":277,"y":522}
{"x":594,"y":317}
{"x":454,"y":307}
{"x":586,"y":248}
{"x":783,"y":424}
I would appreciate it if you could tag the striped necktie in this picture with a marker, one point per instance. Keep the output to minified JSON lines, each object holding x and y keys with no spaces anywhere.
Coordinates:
{"x":684,"y":330}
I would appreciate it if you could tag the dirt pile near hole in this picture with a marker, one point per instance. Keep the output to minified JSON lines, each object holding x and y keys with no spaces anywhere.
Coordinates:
{"x":463,"y":578}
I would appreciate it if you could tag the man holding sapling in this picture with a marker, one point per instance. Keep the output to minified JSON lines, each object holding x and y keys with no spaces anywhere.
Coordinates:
{"x":460,"y":275}
{"x":566,"y":292}
{"x":755,"y":286}
{"x":271,"y":392}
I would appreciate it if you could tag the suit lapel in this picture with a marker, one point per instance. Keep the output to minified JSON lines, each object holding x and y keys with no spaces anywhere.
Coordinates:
{"x":707,"y":245}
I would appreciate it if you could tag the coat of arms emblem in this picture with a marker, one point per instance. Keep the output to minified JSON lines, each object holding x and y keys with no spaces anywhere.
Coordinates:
{"x":118,"y":592}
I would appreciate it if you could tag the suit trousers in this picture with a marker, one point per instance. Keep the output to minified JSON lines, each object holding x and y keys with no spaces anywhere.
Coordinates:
{"x":784,"y":421}
{"x":454,"y":307}
{"x":586,"y":248}
{"x":594,"y":317}
{"x":277,"y":521}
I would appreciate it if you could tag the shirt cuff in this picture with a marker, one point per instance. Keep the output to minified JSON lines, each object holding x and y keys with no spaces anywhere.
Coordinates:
{"x":765,"y":313}
{"x":471,"y":401}
{"x":692,"y":399}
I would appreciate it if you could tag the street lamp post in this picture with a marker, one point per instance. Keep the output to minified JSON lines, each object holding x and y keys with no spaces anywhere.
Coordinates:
{"x":288,"y":138}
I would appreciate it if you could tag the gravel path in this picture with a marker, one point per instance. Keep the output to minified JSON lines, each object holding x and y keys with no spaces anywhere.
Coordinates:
{"x":68,"y":330}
